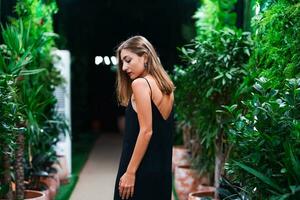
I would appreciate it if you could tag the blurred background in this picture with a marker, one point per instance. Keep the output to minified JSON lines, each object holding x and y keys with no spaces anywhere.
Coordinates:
{"x":94,"y":28}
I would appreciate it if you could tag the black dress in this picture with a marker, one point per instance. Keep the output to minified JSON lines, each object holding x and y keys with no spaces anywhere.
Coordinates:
{"x":154,"y":177}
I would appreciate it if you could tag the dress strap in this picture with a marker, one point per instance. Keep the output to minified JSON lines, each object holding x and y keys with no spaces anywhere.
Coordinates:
{"x":149,"y":86}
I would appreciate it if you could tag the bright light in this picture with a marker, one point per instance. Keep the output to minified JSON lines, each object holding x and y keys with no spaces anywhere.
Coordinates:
{"x":113,"y":60}
{"x":106,"y":60}
{"x":98,"y":60}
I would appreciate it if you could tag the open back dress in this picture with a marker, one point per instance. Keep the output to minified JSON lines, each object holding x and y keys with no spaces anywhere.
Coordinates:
{"x":153,"y":177}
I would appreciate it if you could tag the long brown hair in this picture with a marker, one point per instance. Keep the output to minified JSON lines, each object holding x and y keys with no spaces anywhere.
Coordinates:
{"x":140,"y":46}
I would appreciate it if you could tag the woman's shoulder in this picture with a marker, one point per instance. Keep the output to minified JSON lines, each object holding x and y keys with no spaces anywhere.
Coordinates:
{"x":140,"y":87}
{"x":139,"y":83}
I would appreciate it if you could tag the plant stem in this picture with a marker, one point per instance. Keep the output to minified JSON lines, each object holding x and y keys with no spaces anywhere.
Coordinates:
{"x":186,"y":129}
{"x":19,"y":168}
{"x":6,"y":173}
{"x":219,"y":161}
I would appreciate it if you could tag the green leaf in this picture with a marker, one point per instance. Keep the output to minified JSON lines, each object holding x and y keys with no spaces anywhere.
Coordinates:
{"x":261,"y":176}
{"x":223,"y":81}
{"x":219,"y":76}
{"x":246,"y":51}
{"x":293,"y":161}
{"x":32,"y":72}
{"x":209,"y":92}
{"x":183,"y":50}
{"x":295,"y":188}
{"x":228,"y":75}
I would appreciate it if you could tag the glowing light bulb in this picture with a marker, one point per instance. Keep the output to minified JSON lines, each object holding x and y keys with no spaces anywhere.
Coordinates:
{"x":106,"y":60}
{"x":98,"y":60}
{"x":114,"y":60}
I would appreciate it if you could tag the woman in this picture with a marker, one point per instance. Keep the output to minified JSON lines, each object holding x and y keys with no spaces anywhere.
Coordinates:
{"x":147,"y":91}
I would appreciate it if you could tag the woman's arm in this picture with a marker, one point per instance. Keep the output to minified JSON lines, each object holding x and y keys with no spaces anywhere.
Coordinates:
{"x":141,"y":92}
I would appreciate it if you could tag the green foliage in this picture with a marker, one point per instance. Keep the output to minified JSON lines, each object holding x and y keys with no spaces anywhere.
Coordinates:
{"x":230,"y":191}
{"x":43,"y":149}
{"x":268,"y":140}
{"x":15,"y":56}
{"x":253,"y":105}
{"x":37,"y":16}
{"x":214,"y":15}
{"x":215,"y":68}
{"x":277,"y":45}
{"x":26,"y":60}
{"x":37,"y":92}
{"x":266,"y":128}
{"x":16,"y":52}
{"x":9,"y":112}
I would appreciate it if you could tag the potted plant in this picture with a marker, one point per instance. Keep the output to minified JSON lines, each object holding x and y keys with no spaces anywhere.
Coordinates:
{"x":22,"y":50}
{"x":216,"y":66}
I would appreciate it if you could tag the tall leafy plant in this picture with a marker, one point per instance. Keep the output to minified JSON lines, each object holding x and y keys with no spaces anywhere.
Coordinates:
{"x":15,"y":56}
{"x":28,"y":42}
{"x":214,"y":70}
{"x":212,"y":15}
{"x":266,"y":125}
{"x":38,"y":91}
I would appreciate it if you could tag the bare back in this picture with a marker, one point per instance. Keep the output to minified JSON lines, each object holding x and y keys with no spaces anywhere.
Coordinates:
{"x":164,"y":103}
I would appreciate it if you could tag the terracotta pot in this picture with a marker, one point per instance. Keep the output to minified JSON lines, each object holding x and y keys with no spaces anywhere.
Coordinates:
{"x":180,"y":157}
{"x":34,"y":195}
{"x":186,"y":181}
{"x":38,"y":185}
{"x":202,"y":192}
{"x":44,"y":190}
{"x":52,"y":185}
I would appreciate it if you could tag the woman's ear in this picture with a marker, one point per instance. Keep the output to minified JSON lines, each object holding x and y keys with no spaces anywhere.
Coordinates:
{"x":145,"y":56}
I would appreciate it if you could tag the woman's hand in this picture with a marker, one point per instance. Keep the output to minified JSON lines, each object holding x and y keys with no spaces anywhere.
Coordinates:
{"x":126,"y":185}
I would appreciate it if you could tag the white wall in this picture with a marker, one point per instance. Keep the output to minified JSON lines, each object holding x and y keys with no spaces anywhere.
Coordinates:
{"x":62,"y":61}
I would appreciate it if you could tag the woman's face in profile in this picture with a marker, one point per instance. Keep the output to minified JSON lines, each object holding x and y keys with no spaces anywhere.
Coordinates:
{"x":133,"y":64}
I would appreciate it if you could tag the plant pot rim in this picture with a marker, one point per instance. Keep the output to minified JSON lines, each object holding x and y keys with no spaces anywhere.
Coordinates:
{"x":206,"y":191}
{"x":205,"y":188}
{"x":41,"y":194}
{"x":184,"y":166}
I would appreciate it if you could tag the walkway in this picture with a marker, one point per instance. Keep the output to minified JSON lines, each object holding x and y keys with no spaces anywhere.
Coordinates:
{"x":97,"y":178}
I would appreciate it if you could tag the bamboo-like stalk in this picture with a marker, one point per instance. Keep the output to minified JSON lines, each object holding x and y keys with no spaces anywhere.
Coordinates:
{"x":6,"y":173}
{"x":19,"y":168}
